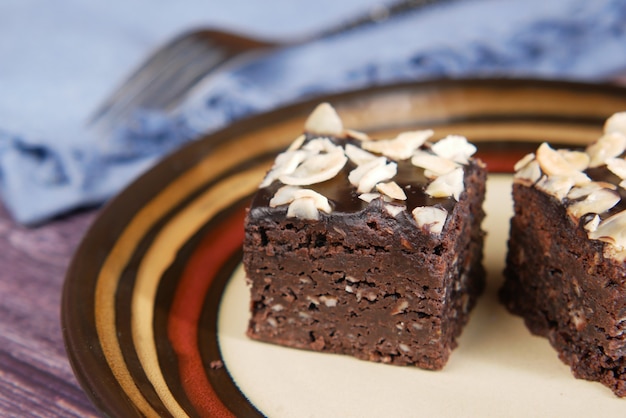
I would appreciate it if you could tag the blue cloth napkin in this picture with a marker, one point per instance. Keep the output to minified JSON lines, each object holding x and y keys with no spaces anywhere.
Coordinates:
{"x":58,"y":62}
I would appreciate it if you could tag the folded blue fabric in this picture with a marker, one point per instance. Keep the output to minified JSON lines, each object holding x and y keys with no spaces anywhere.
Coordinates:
{"x":50,"y":163}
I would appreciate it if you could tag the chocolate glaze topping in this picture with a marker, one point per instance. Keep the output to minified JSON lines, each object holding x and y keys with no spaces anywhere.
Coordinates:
{"x":344,"y":198}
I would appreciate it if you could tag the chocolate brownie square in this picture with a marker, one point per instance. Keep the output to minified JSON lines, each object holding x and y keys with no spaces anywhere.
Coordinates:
{"x":565,"y":272}
{"x":370,"y":248}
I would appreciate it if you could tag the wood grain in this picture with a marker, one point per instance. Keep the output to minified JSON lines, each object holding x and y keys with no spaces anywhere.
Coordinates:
{"x":36,"y":379}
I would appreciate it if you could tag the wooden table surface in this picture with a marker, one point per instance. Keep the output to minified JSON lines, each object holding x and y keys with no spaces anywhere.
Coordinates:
{"x":36,"y":379}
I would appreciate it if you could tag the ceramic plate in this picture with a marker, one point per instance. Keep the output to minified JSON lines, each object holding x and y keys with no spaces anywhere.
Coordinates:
{"x":155,"y":307}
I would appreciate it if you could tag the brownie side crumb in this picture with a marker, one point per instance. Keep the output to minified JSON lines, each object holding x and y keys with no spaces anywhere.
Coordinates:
{"x":405,"y":298}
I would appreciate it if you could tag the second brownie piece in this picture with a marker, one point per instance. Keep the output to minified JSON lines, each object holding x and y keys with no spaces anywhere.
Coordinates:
{"x":566,"y":264}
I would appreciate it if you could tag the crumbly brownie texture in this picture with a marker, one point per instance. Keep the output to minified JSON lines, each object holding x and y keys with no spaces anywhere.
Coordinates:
{"x":565,"y":272}
{"x":370,"y":248}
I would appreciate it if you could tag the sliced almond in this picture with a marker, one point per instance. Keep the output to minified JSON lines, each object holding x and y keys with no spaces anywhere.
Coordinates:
{"x":450,"y":184}
{"x":297,"y":143}
{"x":368,"y":197}
{"x":358,"y":155}
{"x":401,"y":147}
{"x":394,"y":210}
{"x":321,"y":145}
{"x":377,"y":175}
{"x":431,"y":218}
{"x":361,"y":136}
{"x":557,"y":186}
{"x":357,"y":174}
{"x":431,"y":175}
{"x":455,"y":148}
{"x":554,"y":163}
{"x":285,"y":163}
{"x":367,"y":175}
{"x":584,"y":190}
{"x":320,"y":201}
{"x":316,"y":169}
{"x":616,"y":123}
{"x":592,"y":225}
{"x":617,"y":166}
{"x":610,"y":145}
{"x":598,"y":201}
{"x":324,"y":120}
{"x":303,"y":208}
{"x":288,"y":194}
{"x":391,"y":189}
{"x":530,"y":173}
{"x":435,"y":164}
{"x":576,"y":159}
{"x":524,"y":161}
{"x":612,"y":231}
{"x":284,"y":195}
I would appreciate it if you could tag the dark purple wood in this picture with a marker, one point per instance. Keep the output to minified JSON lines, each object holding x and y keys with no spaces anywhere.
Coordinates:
{"x":35,"y":375}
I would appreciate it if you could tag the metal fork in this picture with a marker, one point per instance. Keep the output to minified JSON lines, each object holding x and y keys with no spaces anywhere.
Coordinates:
{"x":168,"y":74}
